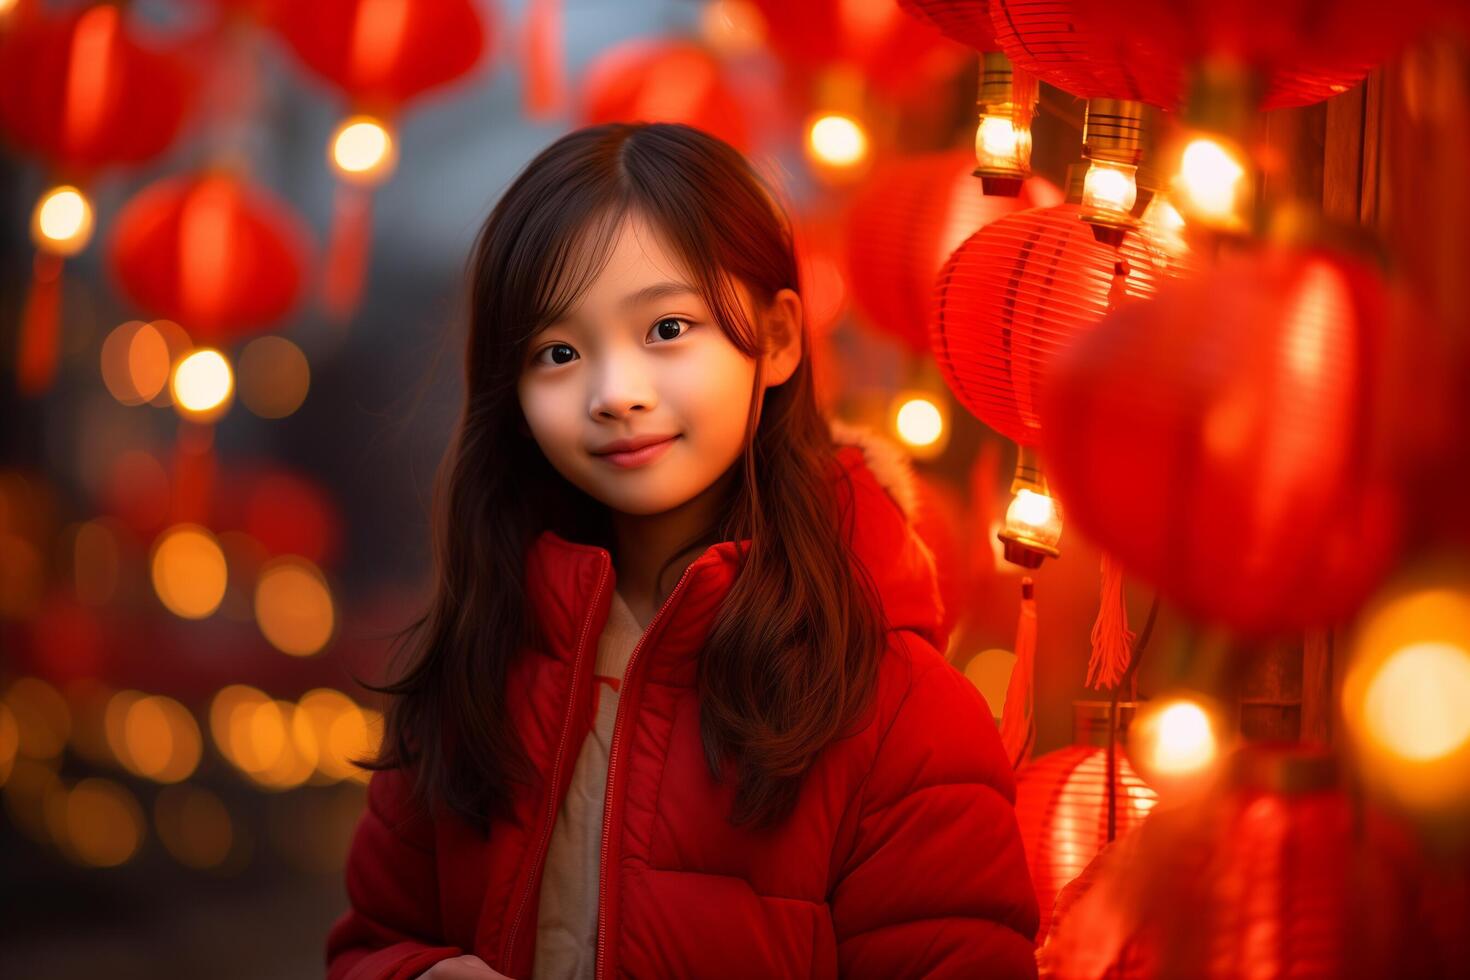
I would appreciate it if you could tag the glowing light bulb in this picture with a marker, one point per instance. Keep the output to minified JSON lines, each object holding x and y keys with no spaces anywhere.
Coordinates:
{"x":202,"y":382}
{"x":838,"y":140}
{"x":919,"y":422}
{"x":1110,"y":187}
{"x":996,"y":142}
{"x":363,"y":150}
{"x":1185,"y":742}
{"x":1209,"y":180}
{"x":1165,"y":225}
{"x":1032,"y":528}
{"x":62,"y":221}
{"x":1175,"y":744}
{"x":1417,"y":703}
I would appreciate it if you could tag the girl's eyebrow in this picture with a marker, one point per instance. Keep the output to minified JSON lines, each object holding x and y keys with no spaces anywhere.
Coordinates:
{"x":658,"y":290}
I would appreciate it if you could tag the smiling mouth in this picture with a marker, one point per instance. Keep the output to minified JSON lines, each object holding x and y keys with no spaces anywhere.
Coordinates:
{"x":642,"y":456}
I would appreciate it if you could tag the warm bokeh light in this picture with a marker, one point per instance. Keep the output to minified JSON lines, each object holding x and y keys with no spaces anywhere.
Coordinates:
{"x":1110,"y":187}
{"x":41,"y":715}
{"x":293,"y":606}
{"x":104,"y":824}
{"x":273,"y":377}
{"x":1433,"y":678}
{"x":6,"y":6}
{"x":1033,"y":522}
{"x":189,"y":571}
{"x":135,"y":362}
{"x":990,"y":672}
{"x":96,"y":562}
{"x":1165,"y":225}
{"x":341,"y":729}
{"x":1209,"y":181}
{"x":162,"y":739}
{"x":362,"y":149}
{"x":732,"y":27}
{"x":227,"y":710}
{"x":1175,"y":743}
{"x":9,"y":741}
{"x":202,"y":383}
{"x":1185,"y":742}
{"x":194,"y":826}
{"x":837,"y":141}
{"x":996,"y":142}
{"x":62,"y":221}
{"x":919,"y":422}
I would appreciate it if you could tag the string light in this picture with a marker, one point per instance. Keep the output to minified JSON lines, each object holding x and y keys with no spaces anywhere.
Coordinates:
{"x":62,"y":221}
{"x":202,"y":384}
{"x":837,"y":140}
{"x":363,"y":150}
{"x":1032,"y":530}
{"x":1176,"y":743}
{"x":1002,"y":141}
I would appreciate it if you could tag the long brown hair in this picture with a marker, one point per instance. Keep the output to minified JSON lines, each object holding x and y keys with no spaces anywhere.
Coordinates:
{"x":791,"y":659}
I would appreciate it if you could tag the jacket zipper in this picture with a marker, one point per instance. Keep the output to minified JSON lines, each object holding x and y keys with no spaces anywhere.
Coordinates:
{"x":612,"y":764}
{"x":552,"y":794}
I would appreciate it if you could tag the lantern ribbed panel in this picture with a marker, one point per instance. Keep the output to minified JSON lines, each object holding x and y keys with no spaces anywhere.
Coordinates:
{"x":965,"y":21}
{"x":1017,"y":293}
{"x":903,"y":224}
{"x":135,"y":108}
{"x":1221,"y":441}
{"x":1062,"y":809}
{"x":213,"y":253}
{"x":664,"y":81}
{"x":392,"y":59}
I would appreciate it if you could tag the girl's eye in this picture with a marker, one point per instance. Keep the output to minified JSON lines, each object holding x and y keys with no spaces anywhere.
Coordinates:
{"x":669,"y":328}
{"x":556,"y":354}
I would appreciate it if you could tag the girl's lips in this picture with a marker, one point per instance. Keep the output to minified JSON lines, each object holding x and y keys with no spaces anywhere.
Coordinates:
{"x":638,"y":457}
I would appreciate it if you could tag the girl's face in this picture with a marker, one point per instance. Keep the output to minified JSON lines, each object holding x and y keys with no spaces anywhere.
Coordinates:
{"x":636,"y":396}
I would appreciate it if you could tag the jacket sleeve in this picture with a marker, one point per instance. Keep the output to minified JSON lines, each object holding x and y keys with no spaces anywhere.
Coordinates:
{"x":391,"y":931}
{"x":935,"y":882}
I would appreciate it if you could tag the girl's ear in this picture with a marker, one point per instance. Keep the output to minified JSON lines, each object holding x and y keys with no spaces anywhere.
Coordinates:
{"x":783,"y":337}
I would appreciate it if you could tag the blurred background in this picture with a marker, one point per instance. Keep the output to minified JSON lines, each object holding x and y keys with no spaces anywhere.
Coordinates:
{"x":232,"y":300}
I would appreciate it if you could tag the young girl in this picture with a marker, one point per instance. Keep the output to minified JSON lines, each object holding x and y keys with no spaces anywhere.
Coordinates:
{"x":676,"y":709}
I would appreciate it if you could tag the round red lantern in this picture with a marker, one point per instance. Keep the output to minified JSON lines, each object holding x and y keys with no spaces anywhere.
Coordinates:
{"x":1062,"y":804}
{"x":665,"y":81}
{"x":907,"y":218}
{"x":211,"y":252}
{"x":965,"y":21}
{"x":1222,"y":441}
{"x":1020,"y":291}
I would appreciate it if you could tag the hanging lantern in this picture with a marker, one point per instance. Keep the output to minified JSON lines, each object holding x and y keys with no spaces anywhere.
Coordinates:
{"x":1073,"y":802}
{"x":1005,"y":105}
{"x":905,"y":221}
{"x":1277,"y":874}
{"x":1032,"y":529}
{"x":665,"y":81}
{"x":211,"y":252}
{"x":81,"y":92}
{"x":1235,"y":464}
{"x":965,"y":21}
{"x":380,"y":54}
{"x":1112,"y":141}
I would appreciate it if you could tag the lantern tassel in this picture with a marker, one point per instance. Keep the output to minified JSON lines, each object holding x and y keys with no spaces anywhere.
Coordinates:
{"x":542,"y":89}
{"x":347,"y":255}
{"x":40,"y":329}
{"x":1112,"y":641}
{"x":1017,"y":721}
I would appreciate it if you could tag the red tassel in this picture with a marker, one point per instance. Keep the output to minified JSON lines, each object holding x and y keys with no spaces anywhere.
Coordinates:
{"x":193,"y":476}
{"x":1017,"y":721}
{"x":347,"y":255}
{"x":40,"y":329}
{"x":1112,"y":641}
{"x":542,"y":89}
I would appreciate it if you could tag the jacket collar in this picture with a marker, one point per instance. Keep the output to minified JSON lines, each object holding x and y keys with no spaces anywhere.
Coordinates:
{"x":569,"y":585}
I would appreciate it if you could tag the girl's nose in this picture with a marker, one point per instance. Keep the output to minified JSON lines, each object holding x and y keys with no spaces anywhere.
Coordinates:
{"x":622,"y":387}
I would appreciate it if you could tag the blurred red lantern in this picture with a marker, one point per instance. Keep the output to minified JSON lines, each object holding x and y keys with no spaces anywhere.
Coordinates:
{"x":1062,"y":804}
{"x":1019,"y":292}
{"x":82,"y":91}
{"x":822,"y":271}
{"x":965,"y":21}
{"x":285,"y":512}
{"x":380,"y":54}
{"x":665,"y":81}
{"x":905,"y":221}
{"x":212,"y":252}
{"x":1143,"y":50}
{"x":1223,"y":441}
{"x":940,"y":521}
{"x":1277,"y":874}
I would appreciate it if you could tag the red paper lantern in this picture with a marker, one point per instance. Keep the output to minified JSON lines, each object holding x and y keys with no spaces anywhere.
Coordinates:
{"x":1143,"y":50}
{"x":1062,"y":806}
{"x":965,"y":21}
{"x":220,"y":257}
{"x":1020,"y":291}
{"x":908,"y":217}
{"x":665,"y":81}
{"x":284,"y":512}
{"x":1221,"y":441}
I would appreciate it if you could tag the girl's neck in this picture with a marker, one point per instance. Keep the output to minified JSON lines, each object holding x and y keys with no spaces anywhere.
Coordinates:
{"x":645,"y":543}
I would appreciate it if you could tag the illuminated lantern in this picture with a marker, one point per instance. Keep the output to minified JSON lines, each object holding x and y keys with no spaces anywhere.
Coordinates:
{"x":211,"y":252}
{"x":965,"y":21}
{"x":1278,"y":874}
{"x":380,"y":54}
{"x":665,"y":81}
{"x":1063,"y":807}
{"x":1221,"y":440}
{"x":905,"y":221}
{"x":285,"y":513}
{"x":83,"y":93}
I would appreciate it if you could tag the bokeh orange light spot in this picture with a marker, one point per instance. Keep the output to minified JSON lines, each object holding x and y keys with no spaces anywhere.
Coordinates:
{"x":104,"y":823}
{"x":135,"y":362}
{"x":193,"y":825}
{"x":202,"y":384}
{"x":62,"y":221}
{"x":362,"y":150}
{"x":189,"y":571}
{"x":836,"y":140}
{"x":162,"y":739}
{"x":293,"y":606}
{"x":273,"y":377}
{"x":42,"y":718}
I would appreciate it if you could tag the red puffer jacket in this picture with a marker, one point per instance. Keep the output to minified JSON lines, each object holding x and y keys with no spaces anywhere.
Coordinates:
{"x":902,"y":857}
